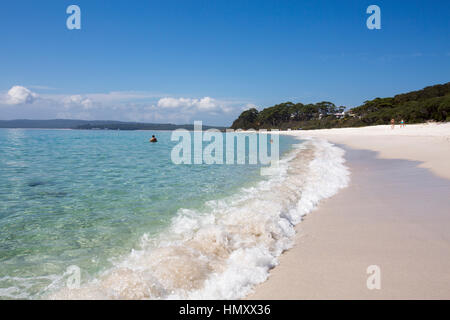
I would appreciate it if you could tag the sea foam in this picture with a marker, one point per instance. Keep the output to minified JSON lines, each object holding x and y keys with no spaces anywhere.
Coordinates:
{"x":223,"y":251}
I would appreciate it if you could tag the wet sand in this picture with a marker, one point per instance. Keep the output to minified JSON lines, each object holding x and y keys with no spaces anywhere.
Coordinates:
{"x":395,"y":214}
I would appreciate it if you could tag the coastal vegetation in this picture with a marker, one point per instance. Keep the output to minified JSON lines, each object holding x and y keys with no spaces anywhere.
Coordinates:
{"x":430,"y":103}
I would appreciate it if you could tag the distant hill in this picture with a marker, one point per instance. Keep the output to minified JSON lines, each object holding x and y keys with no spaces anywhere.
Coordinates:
{"x":45,"y":124}
{"x":96,"y":124}
{"x":430,"y":103}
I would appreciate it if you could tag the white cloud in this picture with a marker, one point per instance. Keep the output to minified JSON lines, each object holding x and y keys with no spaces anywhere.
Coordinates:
{"x":78,"y":100}
{"x":20,"y":95}
{"x":116,"y":105}
{"x":175,"y":102}
{"x":205,"y":104}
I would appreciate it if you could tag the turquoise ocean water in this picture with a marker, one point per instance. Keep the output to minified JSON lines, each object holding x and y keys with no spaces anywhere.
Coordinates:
{"x":85,"y":198}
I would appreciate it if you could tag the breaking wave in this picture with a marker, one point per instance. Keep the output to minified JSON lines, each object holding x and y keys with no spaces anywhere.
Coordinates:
{"x":223,"y":251}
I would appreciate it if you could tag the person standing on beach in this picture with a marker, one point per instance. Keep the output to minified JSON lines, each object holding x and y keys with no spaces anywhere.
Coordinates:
{"x":392,"y":123}
{"x":402,"y":123}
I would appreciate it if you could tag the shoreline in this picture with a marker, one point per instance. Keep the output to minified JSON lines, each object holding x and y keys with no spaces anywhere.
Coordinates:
{"x":428,"y":143}
{"x":232,"y":243}
{"x":394,"y":214}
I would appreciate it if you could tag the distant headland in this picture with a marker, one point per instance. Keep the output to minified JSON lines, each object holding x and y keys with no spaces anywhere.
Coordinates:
{"x":95,"y":125}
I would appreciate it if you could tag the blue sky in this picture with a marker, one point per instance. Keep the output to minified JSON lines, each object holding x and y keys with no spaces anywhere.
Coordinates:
{"x":179,"y":61}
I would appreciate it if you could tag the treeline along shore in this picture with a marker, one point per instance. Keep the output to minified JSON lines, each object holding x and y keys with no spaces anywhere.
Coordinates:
{"x":431,"y":103}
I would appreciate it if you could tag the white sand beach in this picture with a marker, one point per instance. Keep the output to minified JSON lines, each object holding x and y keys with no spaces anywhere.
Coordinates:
{"x":394,"y":214}
{"x":427,"y":143}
